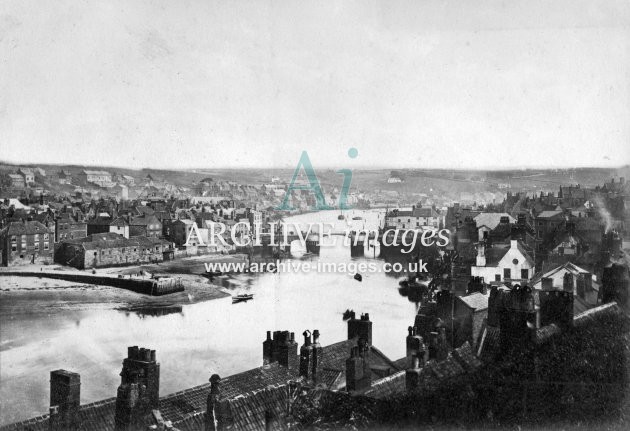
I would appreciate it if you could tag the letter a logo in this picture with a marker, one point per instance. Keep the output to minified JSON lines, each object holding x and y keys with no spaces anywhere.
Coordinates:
{"x":313,"y":185}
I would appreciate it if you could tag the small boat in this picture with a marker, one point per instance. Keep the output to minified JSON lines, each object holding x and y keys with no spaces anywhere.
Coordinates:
{"x":340,"y":217}
{"x":358,"y":277}
{"x":357,"y":218}
{"x":211,"y":274}
{"x":242,"y":298}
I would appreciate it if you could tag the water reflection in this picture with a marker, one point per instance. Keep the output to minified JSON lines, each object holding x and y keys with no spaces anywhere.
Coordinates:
{"x":152,"y":311}
{"x":194,"y":340}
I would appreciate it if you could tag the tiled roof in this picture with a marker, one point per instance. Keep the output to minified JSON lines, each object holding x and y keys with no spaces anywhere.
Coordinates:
{"x":185,"y":409}
{"x":550,"y":214}
{"x":416,"y":212}
{"x":387,"y":386}
{"x":477,"y":301}
{"x":466,"y":357}
{"x":492,"y":220}
{"x":489,"y":345}
{"x":96,"y":173}
{"x":248,"y":412}
{"x":107,"y":240}
{"x":25,"y":228}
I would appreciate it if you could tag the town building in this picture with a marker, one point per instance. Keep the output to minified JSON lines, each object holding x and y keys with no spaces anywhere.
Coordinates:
{"x":67,"y":227}
{"x":110,"y":249}
{"x":16,"y":181}
{"x":27,"y":174}
{"x":100,"y":178}
{"x":416,"y":218}
{"x":25,"y":242}
{"x":146,"y":225}
{"x":503,"y":263}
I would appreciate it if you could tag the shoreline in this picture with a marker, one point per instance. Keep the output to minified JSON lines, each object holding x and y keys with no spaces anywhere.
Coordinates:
{"x":31,"y":295}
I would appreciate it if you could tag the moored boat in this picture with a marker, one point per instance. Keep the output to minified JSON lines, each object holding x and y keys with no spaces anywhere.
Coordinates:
{"x":242,"y":298}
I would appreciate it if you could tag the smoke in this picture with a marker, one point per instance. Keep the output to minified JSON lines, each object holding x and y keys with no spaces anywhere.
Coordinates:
{"x":603,"y":212}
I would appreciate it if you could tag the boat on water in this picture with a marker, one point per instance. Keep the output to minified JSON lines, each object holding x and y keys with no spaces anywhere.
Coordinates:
{"x":341,"y":217}
{"x":242,"y":298}
{"x":357,"y":218}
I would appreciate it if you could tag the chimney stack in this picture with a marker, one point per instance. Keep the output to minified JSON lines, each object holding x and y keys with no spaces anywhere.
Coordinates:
{"x":360,"y":328}
{"x":212,"y":408}
{"x":306,"y":367}
{"x":65,"y":400}
{"x":412,"y":375}
{"x":318,"y":353}
{"x":556,"y":307}
{"x":415,"y":347}
{"x":547,"y":283}
{"x":358,"y":372}
{"x":268,"y":350}
{"x":287,"y":350}
{"x":567,"y":282}
{"x":138,"y":393}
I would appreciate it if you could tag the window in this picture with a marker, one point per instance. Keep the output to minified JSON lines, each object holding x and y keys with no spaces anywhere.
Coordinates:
{"x":497,"y":277}
{"x":36,"y":237}
{"x":524,"y":274}
{"x":37,"y":246}
{"x":13,"y":243}
{"x":45,"y":237}
{"x":46,"y":245}
{"x":507,"y":273}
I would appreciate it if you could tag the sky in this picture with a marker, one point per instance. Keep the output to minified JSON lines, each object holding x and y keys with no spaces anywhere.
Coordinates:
{"x":227,"y":84}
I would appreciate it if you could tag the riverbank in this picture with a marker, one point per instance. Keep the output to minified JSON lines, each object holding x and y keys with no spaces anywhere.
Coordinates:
{"x":31,"y":295}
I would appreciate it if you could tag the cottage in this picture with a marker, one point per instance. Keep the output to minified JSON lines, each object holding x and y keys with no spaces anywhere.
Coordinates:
{"x":500,"y":263}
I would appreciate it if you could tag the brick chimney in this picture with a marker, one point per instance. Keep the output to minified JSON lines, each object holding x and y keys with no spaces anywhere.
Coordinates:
{"x":287,"y":350}
{"x":412,"y":374}
{"x":212,"y":407}
{"x":361,"y":328}
{"x":306,"y":356}
{"x":415,"y":347}
{"x":138,"y":393}
{"x":358,"y":373}
{"x":65,"y":400}
{"x":567,"y":282}
{"x":318,"y":353}
{"x":556,"y":307}
{"x":268,"y":350}
{"x":481,"y":254}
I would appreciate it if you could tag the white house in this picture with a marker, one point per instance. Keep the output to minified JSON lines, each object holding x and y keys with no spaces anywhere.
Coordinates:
{"x":497,"y":263}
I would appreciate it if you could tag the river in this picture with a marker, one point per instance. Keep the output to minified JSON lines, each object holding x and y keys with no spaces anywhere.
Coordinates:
{"x":196,"y":340}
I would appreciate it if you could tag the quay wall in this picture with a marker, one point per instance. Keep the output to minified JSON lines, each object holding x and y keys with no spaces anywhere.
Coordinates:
{"x":153,"y":287}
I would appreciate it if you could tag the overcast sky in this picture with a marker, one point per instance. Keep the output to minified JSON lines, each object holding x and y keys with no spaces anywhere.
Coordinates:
{"x":192,"y":83}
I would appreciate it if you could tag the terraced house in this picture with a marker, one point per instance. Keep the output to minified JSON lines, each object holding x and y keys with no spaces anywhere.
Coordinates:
{"x":110,"y":249}
{"x":24,"y":242}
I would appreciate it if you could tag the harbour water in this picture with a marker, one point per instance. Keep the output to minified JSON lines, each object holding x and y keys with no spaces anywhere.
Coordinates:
{"x":194,"y":341}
